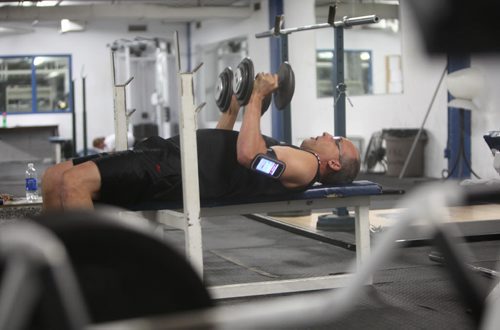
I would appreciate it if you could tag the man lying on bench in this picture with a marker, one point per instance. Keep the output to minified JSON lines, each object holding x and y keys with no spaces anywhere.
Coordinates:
{"x":231,"y":164}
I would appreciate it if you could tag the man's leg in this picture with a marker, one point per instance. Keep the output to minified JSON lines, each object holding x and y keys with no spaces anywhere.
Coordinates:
{"x":52,"y":185}
{"x":80,"y":184}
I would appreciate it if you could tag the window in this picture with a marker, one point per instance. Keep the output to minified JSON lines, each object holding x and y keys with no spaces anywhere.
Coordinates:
{"x":357,"y":72}
{"x":35,"y":84}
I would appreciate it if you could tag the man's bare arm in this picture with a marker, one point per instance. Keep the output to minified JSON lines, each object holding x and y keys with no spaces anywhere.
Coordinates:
{"x":228,"y":118}
{"x":301,"y":166}
{"x":250,"y":141}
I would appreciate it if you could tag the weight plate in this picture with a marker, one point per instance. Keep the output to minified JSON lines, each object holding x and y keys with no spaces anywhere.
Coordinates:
{"x":286,"y":86}
{"x":243,"y":81}
{"x":224,"y":89}
{"x":266,"y":102}
{"x":219,"y":88}
{"x":238,"y":80}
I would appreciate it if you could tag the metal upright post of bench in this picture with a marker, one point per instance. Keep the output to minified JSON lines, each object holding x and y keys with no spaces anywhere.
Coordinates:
{"x":188,"y":219}
{"x":120,"y":109}
{"x":189,"y":163}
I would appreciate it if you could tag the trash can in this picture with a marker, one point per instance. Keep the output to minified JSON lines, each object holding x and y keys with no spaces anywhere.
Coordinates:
{"x":398,"y":145}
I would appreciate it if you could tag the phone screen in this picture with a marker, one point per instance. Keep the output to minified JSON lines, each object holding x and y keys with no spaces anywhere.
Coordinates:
{"x":267,"y":166}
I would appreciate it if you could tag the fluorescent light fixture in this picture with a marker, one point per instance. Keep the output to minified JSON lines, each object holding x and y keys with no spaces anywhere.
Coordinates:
{"x":325,"y":55}
{"x":38,"y":60}
{"x":365,"y":56}
{"x":71,"y":26}
{"x":48,"y":3}
{"x":53,"y":74}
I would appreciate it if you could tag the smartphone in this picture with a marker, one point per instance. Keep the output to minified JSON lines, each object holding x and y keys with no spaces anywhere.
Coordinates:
{"x":268,"y":166}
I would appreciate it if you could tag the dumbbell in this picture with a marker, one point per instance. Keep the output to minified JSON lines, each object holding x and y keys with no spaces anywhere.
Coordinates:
{"x":224,"y":90}
{"x":243,"y":80}
{"x":243,"y":84}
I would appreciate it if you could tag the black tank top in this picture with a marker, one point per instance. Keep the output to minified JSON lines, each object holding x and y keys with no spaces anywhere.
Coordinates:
{"x":220,"y":174}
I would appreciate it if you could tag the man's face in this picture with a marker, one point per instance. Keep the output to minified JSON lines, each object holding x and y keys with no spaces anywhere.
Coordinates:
{"x":330,"y":147}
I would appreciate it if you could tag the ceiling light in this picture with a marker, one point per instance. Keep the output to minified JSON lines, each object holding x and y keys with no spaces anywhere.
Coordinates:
{"x":71,"y":26}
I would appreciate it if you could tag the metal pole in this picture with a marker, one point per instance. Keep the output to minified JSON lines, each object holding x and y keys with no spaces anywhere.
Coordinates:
{"x":276,"y":54}
{"x":338,"y":84}
{"x":73,"y":117}
{"x":286,"y":113}
{"x":338,"y":106}
{"x":345,"y":22}
{"x":85,"y":150}
{"x":459,"y":138}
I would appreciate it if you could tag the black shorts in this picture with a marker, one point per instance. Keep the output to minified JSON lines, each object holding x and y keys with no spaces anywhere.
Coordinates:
{"x":132,"y":176}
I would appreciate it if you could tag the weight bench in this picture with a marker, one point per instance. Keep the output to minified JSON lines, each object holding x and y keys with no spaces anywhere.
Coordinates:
{"x":321,"y":197}
{"x":187,"y":215}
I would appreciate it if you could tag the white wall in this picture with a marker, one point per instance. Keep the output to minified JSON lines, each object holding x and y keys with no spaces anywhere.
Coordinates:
{"x":90,"y":53}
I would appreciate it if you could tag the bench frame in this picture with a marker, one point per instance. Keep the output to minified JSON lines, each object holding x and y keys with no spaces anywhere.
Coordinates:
{"x":194,"y":246}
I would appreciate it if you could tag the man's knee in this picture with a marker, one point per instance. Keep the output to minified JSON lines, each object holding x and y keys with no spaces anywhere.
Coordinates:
{"x":52,"y":177}
{"x":70,"y":182}
{"x":82,"y":180}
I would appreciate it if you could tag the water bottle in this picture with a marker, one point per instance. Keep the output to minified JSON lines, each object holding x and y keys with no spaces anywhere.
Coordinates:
{"x":31,"y":184}
{"x":4,"y":119}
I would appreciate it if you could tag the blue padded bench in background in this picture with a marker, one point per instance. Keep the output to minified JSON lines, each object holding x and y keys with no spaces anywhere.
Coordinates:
{"x":320,"y":197}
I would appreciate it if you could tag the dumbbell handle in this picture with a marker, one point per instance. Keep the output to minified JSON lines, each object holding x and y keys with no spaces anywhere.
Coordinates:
{"x":485,"y":271}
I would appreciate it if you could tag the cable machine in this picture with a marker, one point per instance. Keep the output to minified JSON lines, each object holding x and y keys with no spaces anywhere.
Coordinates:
{"x":151,"y":64}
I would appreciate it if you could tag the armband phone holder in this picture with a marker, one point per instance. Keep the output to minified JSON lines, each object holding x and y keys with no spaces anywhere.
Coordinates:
{"x":268,"y":166}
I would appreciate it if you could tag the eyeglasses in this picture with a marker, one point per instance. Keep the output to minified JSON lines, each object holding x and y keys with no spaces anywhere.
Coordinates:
{"x":338,"y":141}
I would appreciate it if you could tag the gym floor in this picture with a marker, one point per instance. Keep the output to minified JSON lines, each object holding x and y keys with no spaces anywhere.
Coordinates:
{"x":410,"y":291}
